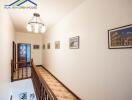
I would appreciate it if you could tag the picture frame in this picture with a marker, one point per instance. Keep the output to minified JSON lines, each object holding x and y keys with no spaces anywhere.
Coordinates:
{"x":23,"y":96}
{"x":74,"y":42}
{"x":57,"y":44}
{"x":43,"y":46}
{"x":36,"y":46}
{"x":120,"y":38}
{"x":48,"y":46}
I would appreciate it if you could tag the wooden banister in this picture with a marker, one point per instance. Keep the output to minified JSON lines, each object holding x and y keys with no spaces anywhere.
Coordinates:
{"x":42,"y":90}
{"x":12,"y":70}
{"x":19,"y":73}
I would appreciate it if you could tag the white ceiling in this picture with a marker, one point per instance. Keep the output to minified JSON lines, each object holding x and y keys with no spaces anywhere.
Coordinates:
{"x":51,"y":11}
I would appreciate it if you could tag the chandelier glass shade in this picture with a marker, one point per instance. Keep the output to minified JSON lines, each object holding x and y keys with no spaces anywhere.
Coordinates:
{"x":36,"y":25}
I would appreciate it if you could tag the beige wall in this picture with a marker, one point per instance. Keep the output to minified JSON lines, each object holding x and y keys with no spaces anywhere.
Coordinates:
{"x":93,"y":72}
{"x":33,"y":39}
{"x":6,"y":38}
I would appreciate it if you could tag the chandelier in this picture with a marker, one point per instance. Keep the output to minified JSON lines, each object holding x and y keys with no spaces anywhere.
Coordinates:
{"x":35,"y":24}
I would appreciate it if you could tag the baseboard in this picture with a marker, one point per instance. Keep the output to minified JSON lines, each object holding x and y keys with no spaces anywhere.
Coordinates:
{"x":39,"y":65}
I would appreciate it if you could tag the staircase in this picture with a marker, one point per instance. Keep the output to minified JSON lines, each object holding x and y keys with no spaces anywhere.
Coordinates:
{"x":46,"y":85}
{"x":20,"y":73}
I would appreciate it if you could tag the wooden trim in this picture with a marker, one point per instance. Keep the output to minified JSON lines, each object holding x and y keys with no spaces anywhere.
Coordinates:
{"x":43,"y":82}
{"x":26,"y":49}
{"x":14,"y":54}
{"x":21,"y":79}
{"x":62,"y":83}
{"x":38,"y":65}
{"x":18,"y":78}
{"x":12,"y":70}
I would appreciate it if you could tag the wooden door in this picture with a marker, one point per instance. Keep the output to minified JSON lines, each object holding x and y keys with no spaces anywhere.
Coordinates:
{"x":22,"y":54}
{"x":14,"y":56}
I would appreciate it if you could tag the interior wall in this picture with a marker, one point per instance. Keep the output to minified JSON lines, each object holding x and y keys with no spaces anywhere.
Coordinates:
{"x":33,"y":39}
{"x":93,"y":72}
{"x":6,"y":39}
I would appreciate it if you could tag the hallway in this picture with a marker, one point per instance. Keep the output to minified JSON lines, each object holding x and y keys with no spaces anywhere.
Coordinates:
{"x":82,"y":46}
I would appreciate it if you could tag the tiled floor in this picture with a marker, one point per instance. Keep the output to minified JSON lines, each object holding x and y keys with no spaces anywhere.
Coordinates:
{"x":58,"y":89}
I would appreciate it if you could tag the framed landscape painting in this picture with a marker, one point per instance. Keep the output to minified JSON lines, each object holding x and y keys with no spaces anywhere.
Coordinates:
{"x":48,"y":46}
{"x":57,"y":44}
{"x":43,"y":46}
{"x":74,"y":42}
{"x":35,"y":46}
{"x":120,"y":37}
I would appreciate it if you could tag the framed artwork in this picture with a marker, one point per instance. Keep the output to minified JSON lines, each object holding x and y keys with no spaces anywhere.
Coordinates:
{"x":43,"y":46}
{"x":57,"y":44}
{"x":120,"y":38}
{"x":35,"y":46}
{"x":48,"y":46}
{"x":74,"y":42}
{"x":23,"y":96}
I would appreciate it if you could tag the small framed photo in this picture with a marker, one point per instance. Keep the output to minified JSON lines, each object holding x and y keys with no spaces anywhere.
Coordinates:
{"x":43,"y":46}
{"x":35,"y":46}
{"x":57,"y":44}
{"x":48,"y":46}
{"x":120,"y":38}
{"x":23,"y":96}
{"x":74,"y":42}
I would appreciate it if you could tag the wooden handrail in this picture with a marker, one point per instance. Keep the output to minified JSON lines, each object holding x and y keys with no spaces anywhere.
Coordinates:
{"x":12,"y":70}
{"x":42,"y":90}
{"x":19,"y":73}
{"x":20,"y":62}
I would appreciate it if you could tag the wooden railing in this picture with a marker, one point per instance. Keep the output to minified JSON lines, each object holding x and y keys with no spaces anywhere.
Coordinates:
{"x":12,"y":70}
{"x":19,"y":73}
{"x":42,"y":90}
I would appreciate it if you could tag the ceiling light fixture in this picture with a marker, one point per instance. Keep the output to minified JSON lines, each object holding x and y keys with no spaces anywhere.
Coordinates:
{"x":36,"y":25}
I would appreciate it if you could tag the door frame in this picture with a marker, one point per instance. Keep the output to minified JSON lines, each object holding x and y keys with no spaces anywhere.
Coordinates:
{"x":14,"y":55}
{"x":26,"y":52}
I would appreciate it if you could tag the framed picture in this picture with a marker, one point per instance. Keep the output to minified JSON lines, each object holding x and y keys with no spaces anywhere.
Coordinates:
{"x":23,"y":96}
{"x":43,"y":46}
{"x":120,"y":37}
{"x":35,"y":46}
{"x":57,"y":44}
{"x":74,"y":42}
{"x":48,"y":46}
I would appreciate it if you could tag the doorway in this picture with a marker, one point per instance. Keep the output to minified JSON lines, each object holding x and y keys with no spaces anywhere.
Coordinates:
{"x":23,"y":54}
